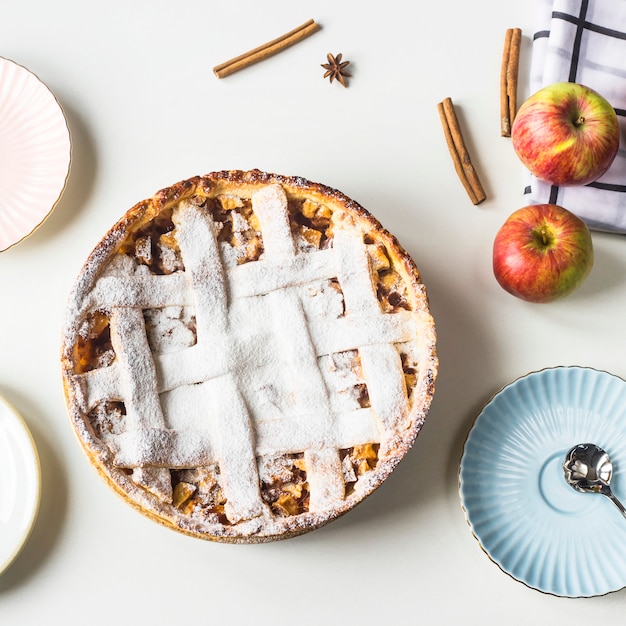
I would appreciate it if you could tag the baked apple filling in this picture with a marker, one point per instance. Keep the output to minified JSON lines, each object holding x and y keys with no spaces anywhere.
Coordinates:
{"x":93,"y":348}
{"x":197,"y":492}
{"x":154,"y":245}
{"x":108,"y":418}
{"x":284,"y":484}
{"x":358,"y":461}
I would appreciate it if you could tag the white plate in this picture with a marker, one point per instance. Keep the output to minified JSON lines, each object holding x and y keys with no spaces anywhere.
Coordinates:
{"x":34,"y":152}
{"x":20,"y":484}
{"x":525,"y":516}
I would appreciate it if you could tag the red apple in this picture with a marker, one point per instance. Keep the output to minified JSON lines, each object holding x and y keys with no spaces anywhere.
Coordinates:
{"x":542,"y":252}
{"x":566,"y":134}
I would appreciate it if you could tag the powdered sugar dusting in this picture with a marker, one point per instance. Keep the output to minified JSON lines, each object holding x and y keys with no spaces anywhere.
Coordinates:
{"x":229,"y":365}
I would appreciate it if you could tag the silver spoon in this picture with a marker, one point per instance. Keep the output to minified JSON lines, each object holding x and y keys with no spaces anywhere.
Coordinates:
{"x":588,"y":469}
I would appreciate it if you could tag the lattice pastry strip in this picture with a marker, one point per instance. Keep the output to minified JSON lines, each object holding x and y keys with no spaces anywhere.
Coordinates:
{"x":139,"y":389}
{"x":325,"y":472}
{"x":381,"y":362}
{"x":266,"y":358}
{"x":234,"y":437}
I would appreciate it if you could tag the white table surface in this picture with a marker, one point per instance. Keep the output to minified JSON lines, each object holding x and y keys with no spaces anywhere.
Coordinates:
{"x":145,"y":110}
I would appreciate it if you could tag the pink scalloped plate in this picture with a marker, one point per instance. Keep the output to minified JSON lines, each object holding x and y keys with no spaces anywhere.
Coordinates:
{"x":35,"y":152}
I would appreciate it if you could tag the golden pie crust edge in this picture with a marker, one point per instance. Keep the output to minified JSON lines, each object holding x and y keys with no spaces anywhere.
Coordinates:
{"x":245,"y":183}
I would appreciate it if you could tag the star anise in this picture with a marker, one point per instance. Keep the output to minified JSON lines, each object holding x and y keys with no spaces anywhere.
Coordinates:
{"x":336,"y":69}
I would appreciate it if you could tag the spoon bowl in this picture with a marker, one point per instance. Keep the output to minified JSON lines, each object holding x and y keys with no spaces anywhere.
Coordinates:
{"x":588,"y":469}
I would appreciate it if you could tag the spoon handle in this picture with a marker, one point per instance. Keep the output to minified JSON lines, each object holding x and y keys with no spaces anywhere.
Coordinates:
{"x":616,"y":502}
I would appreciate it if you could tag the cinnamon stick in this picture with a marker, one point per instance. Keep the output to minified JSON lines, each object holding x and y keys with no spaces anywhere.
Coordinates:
{"x":458,"y":151}
{"x":266,"y":50}
{"x":508,"y":79}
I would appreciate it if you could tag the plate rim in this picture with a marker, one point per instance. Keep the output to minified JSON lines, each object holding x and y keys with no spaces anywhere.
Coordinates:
{"x":460,"y":482}
{"x":36,"y":500}
{"x":70,"y":154}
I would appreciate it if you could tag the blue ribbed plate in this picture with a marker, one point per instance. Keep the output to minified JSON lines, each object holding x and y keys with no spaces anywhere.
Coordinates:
{"x":528,"y":520}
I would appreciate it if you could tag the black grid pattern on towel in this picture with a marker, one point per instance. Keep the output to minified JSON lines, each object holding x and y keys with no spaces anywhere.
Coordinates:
{"x":585,"y":32}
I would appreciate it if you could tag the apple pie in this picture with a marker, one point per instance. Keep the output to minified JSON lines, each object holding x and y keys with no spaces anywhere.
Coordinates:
{"x":246,"y":356}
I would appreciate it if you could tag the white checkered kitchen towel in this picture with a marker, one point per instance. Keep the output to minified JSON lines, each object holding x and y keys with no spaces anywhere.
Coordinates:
{"x":584,"y":41}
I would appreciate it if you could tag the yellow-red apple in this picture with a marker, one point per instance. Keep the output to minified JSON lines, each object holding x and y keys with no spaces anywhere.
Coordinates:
{"x":542,"y":252}
{"x":566,"y":134}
